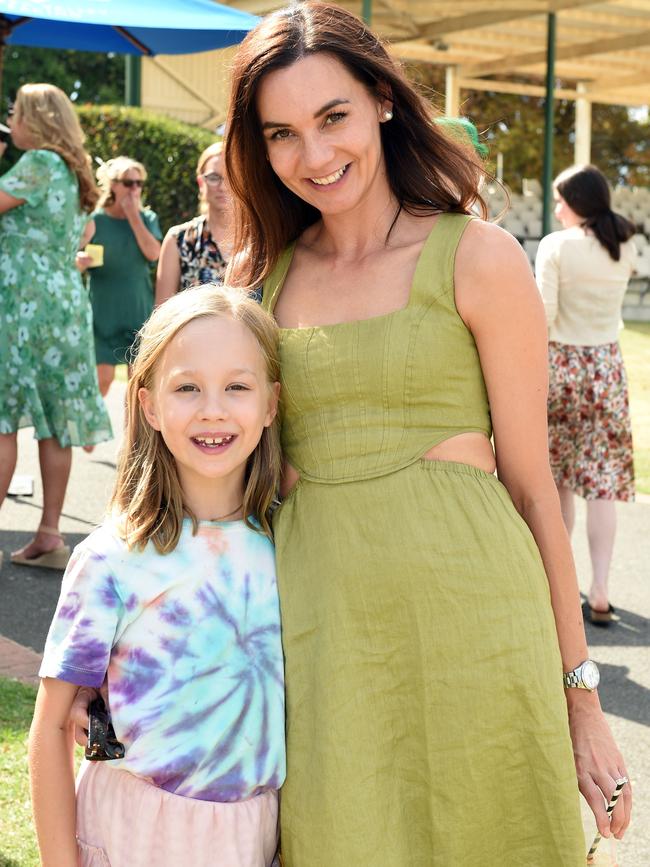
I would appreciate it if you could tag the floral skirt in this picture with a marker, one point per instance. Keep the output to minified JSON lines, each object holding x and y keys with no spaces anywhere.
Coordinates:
{"x":590,"y":435}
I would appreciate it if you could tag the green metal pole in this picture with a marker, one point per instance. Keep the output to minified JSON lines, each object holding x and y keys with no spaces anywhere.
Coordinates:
{"x":132,"y":79}
{"x":366,"y":11}
{"x":549,"y":116}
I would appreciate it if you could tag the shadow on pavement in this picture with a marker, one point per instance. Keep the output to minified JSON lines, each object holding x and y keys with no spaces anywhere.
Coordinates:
{"x":28,"y":501}
{"x":621,"y":696}
{"x":111,"y":464}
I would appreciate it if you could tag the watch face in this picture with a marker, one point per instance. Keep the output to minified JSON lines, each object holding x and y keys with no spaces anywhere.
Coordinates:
{"x":590,"y":674}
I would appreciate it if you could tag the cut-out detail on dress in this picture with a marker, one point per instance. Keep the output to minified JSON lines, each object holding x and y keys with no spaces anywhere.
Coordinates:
{"x":488,"y":465}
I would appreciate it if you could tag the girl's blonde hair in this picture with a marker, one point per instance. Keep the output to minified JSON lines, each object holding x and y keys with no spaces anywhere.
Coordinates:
{"x":114,"y":170}
{"x":213,"y":150}
{"x":53,"y":125}
{"x":148,"y":494}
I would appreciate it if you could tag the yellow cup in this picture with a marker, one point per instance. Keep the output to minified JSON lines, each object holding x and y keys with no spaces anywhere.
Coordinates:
{"x":96,"y":253}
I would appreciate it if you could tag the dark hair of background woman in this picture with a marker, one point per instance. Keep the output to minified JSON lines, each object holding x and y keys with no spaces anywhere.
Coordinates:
{"x":586,"y":192}
{"x":426,"y":171}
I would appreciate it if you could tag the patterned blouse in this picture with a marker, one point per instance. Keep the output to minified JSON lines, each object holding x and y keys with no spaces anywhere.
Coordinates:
{"x":201,"y":258}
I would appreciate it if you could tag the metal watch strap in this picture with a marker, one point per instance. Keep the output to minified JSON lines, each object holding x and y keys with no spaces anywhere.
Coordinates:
{"x":571,"y":679}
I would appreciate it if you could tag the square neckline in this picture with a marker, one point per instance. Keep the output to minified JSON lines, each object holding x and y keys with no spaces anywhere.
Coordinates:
{"x":310,"y":329}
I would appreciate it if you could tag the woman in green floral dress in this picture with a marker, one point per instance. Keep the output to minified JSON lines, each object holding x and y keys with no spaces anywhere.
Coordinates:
{"x":47,"y":366}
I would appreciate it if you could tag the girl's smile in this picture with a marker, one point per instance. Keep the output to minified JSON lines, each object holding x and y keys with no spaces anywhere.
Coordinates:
{"x":213,"y":443}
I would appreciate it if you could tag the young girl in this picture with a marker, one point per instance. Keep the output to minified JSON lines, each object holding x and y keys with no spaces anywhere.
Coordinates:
{"x":174,"y":597}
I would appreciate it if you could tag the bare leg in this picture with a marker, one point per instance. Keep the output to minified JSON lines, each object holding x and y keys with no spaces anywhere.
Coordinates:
{"x":105,"y":376}
{"x":8,"y":457}
{"x":567,"y":504}
{"x":55,"y":464}
{"x":601,"y":531}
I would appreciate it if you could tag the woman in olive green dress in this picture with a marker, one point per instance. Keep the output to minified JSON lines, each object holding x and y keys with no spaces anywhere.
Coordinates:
{"x":47,"y":371}
{"x":429,"y":610}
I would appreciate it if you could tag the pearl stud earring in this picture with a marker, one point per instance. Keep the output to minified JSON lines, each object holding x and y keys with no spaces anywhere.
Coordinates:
{"x":388,"y":115}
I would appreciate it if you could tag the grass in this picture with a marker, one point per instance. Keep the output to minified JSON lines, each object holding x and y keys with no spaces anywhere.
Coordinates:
{"x":17,"y":836}
{"x":17,"y":843}
{"x":635,"y":343}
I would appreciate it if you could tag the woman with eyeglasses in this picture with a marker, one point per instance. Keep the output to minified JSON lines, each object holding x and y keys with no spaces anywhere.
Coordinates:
{"x":197,"y":252}
{"x":121,"y":289}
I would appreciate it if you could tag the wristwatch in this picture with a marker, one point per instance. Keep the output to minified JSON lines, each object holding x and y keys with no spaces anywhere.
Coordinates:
{"x":585,"y":676}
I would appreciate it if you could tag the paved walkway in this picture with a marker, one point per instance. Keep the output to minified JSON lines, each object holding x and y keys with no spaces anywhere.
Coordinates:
{"x":28,"y":598}
{"x":18,"y":662}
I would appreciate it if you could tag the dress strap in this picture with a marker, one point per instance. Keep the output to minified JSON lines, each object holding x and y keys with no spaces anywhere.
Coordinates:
{"x":434,"y":273}
{"x":198,"y":241}
{"x":274,"y":282}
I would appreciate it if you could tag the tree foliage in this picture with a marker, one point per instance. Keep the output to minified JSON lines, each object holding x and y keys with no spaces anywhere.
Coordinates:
{"x":514,"y":126}
{"x":168,"y":149}
{"x":86,"y":77}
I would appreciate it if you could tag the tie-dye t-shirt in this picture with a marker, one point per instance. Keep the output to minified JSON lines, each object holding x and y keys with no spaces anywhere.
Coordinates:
{"x":191,"y":644}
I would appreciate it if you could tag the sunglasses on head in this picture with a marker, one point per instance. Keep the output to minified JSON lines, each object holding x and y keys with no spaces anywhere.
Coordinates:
{"x":129,"y":182}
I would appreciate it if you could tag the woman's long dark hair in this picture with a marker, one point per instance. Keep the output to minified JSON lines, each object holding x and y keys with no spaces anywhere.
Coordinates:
{"x":427,"y":171}
{"x":586,"y":192}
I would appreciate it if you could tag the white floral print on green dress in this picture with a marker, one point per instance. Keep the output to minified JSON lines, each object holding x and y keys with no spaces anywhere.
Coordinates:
{"x":48,"y":378}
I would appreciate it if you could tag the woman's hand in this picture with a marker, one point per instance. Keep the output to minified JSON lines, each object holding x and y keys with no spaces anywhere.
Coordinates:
{"x":130,"y":203}
{"x":79,"y":713}
{"x":83,"y":261}
{"x":598,"y":762}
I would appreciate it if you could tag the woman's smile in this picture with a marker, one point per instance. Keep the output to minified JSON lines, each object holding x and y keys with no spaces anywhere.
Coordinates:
{"x":332,"y":179}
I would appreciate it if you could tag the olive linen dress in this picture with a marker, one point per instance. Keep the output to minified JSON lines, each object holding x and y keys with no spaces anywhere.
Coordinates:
{"x":426,"y":719}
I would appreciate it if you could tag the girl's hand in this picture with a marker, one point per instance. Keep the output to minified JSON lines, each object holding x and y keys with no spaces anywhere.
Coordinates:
{"x":598,"y":763}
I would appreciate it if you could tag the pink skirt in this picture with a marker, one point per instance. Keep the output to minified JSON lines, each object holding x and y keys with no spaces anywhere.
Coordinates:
{"x":123,"y":821}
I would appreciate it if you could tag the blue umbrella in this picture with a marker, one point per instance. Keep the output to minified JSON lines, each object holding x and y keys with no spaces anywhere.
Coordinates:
{"x":143,"y":27}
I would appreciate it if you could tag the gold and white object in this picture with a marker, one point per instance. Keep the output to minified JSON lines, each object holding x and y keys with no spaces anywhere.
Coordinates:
{"x":585,"y":676}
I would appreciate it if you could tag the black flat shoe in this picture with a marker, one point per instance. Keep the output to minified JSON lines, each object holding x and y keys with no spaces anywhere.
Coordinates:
{"x":597,"y":617}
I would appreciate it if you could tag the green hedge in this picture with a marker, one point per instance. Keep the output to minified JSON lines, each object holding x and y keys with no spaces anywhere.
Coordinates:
{"x":167,"y":148}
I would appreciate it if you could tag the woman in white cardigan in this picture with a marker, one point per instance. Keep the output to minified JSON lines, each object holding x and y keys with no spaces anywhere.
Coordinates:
{"x":583,"y":272}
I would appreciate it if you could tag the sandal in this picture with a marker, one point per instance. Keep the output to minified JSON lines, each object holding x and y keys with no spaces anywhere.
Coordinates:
{"x":597,"y":617}
{"x":57,"y":558}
